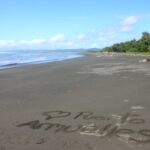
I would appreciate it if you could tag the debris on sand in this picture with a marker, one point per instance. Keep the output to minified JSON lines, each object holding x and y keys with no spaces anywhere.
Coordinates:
{"x":145,"y":60}
{"x":41,"y":141}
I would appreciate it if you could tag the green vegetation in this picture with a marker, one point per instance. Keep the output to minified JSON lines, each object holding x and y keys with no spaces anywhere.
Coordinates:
{"x":141,"y":46}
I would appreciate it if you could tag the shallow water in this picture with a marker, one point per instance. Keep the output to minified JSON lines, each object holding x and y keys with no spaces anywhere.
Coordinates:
{"x":9,"y":59}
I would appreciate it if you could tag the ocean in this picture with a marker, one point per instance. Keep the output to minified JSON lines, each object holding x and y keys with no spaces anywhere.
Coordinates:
{"x":15,"y":58}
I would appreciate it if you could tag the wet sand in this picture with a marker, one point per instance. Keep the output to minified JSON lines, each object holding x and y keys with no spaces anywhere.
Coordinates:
{"x":89,"y":103}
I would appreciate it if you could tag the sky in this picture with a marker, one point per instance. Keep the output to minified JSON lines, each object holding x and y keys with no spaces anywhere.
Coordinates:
{"x":71,"y":24}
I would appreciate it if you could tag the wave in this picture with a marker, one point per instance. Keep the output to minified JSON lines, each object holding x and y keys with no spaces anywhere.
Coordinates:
{"x":17,"y":62}
{"x":18,"y":58}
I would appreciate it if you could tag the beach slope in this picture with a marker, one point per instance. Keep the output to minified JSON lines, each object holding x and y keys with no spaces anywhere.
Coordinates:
{"x":89,"y":103}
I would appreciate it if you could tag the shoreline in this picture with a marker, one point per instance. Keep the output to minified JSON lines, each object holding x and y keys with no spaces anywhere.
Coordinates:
{"x":17,"y":58}
{"x":17,"y":65}
{"x":82,"y":54}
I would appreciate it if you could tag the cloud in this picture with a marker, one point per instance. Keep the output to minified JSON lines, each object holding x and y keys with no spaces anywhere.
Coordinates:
{"x":93,"y":38}
{"x":59,"y":41}
{"x":81,"y":37}
{"x":109,"y":33}
{"x":33,"y":41}
{"x":131,"y":20}
{"x":57,"y":38}
{"x":7,"y":43}
{"x":69,"y":43}
{"x":38,"y":41}
{"x":129,"y":23}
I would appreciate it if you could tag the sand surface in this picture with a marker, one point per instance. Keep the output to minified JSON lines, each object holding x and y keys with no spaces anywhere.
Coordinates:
{"x":89,"y":103}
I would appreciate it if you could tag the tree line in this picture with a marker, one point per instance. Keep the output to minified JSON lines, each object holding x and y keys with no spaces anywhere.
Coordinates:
{"x":141,"y":45}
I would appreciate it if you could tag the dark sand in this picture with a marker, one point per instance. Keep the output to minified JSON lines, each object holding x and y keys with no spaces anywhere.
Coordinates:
{"x":110,"y":91}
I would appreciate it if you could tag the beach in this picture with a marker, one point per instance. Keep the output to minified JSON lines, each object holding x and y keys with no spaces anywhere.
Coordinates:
{"x":88,"y":103}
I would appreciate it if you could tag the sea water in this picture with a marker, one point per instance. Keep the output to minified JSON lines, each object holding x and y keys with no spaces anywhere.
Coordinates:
{"x":14,"y":58}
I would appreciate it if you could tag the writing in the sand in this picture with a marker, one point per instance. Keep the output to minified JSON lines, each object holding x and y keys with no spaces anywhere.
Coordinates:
{"x":108,"y":127}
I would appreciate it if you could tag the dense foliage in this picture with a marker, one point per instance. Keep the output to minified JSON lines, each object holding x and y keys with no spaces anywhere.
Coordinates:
{"x":141,"y":45}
